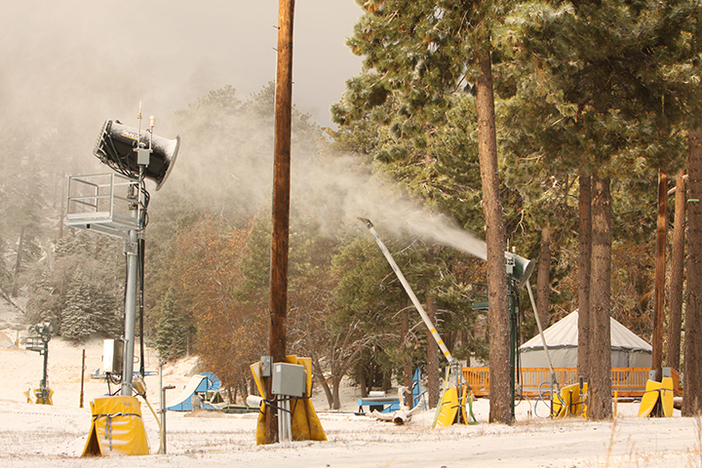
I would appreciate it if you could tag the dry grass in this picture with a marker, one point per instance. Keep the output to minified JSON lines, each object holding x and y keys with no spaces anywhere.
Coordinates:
{"x":696,"y":453}
{"x":641,"y":459}
{"x":610,"y":444}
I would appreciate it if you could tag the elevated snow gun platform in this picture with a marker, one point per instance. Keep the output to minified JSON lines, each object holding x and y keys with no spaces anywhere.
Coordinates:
{"x":40,"y":344}
{"x":199,"y":389}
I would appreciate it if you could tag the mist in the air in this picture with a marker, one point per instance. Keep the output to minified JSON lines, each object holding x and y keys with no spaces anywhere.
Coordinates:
{"x":66,"y":67}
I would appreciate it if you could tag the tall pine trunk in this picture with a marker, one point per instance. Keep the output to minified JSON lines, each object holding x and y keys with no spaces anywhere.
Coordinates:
{"x":584,"y":269}
{"x":600,"y":384}
{"x":677,"y":267}
{"x":543,"y":279}
{"x":692,"y":398}
{"x":433,"y":386}
{"x":498,"y":314}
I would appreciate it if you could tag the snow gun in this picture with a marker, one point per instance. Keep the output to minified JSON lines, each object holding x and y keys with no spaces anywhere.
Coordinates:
{"x":456,"y":402}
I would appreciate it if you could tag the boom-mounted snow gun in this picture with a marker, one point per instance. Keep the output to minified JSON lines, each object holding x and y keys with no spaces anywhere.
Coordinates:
{"x":452,"y":407}
{"x":519,"y":271}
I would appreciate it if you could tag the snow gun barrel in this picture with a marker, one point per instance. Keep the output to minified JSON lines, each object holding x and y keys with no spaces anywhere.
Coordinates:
{"x":408,"y":290}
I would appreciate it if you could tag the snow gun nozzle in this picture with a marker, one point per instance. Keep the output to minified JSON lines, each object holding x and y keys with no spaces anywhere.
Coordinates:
{"x":366,"y":221}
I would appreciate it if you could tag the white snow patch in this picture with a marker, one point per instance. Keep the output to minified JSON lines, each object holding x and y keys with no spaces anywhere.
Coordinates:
{"x":37,"y":435}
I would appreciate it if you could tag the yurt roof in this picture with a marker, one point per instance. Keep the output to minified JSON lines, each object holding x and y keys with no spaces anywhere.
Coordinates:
{"x":564,"y":334}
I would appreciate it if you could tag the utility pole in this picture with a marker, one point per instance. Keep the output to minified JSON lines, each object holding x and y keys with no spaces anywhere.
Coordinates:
{"x":659,"y":290}
{"x":281,"y":201}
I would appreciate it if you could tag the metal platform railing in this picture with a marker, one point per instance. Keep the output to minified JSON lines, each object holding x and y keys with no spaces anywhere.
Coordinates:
{"x":105,"y":203}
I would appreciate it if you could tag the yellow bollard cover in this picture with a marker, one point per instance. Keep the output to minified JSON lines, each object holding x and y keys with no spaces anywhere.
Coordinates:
{"x":117,"y":427}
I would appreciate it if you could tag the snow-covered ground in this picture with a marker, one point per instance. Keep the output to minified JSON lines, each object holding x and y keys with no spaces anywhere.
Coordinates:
{"x":38,"y":435}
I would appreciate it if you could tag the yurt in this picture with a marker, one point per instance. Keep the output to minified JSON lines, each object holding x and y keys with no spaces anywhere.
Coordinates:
{"x":628,"y":349}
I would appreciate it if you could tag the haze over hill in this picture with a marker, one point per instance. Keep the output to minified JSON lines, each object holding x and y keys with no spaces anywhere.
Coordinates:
{"x":87,"y":61}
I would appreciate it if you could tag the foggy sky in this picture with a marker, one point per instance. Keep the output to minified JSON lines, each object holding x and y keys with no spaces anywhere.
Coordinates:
{"x":98,"y":59}
{"x":67,"y":66}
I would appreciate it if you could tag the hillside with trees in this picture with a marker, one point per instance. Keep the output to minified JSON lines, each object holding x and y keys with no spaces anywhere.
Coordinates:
{"x":541,"y":127}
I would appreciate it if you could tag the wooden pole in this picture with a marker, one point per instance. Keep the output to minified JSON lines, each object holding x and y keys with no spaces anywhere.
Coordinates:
{"x":82,"y":380}
{"x":281,"y":199}
{"x":659,"y":290}
{"x":677,"y":275}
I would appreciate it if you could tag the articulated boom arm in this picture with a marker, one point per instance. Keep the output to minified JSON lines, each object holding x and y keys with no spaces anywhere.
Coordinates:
{"x":408,"y":289}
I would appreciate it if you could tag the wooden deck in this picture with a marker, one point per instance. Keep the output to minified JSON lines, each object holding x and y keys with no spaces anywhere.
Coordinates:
{"x":626,"y":381}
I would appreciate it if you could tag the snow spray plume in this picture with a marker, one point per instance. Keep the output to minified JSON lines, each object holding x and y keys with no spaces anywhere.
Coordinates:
{"x":343,"y":189}
{"x":226,"y":162}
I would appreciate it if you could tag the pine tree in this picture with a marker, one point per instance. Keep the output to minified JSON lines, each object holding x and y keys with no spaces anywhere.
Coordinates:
{"x":25,"y":210}
{"x":5,"y":275}
{"x":692,"y":398}
{"x":107,"y":312}
{"x":78,"y":321}
{"x":610,"y":90}
{"x":100,"y":260}
{"x":418,"y":54}
{"x":677,"y":267}
{"x":172,"y":330}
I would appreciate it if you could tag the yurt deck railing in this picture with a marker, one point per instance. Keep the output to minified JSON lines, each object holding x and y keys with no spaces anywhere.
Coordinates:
{"x":626,"y":381}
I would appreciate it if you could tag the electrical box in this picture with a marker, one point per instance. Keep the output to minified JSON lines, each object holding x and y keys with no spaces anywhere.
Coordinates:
{"x":289,"y":379}
{"x":112,"y":353}
{"x":266,"y":366}
{"x":509,"y":264}
{"x":143,"y":156}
